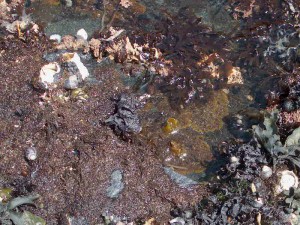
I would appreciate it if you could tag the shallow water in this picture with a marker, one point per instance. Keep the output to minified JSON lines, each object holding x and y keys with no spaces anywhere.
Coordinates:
{"x":215,"y":75}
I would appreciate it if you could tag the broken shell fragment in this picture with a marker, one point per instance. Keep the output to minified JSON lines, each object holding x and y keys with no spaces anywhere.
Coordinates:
{"x":82,"y":34}
{"x":288,"y":179}
{"x":49,"y":75}
{"x":266,"y":172}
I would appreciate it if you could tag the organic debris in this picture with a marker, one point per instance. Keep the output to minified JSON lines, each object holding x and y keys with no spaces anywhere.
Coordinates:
{"x":9,"y":213}
{"x":125,"y":120}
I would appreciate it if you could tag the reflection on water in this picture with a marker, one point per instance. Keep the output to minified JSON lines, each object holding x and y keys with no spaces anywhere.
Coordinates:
{"x":210,"y":67}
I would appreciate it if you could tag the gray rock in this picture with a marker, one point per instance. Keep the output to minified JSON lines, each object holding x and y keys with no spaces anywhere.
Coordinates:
{"x":116,"y":185}
{"x":77,"y":221}
{"x":181,"y":180}
{"x":72,"y":82}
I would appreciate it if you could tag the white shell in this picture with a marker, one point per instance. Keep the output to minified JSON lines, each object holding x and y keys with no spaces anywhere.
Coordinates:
{"x":47,"y":74}
{"x":287,"y":180}
{"x":234,"y":159}
{"x":55,"y":37}
{"x":31,"y":153}
{"x":266,"y":172}
{"x":82,"y":34}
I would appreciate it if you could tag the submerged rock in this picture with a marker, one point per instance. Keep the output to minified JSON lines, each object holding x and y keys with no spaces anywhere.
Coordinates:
{"x":116,"y":186}
{"x":181,"y":180}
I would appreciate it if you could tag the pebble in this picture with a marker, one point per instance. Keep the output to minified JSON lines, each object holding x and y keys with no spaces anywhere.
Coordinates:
{"x":82,"y":34}
{"x":116,"y":185}
{"x":56,"y":37}
{"x":72,"y":82}
{"x":266,"y":172}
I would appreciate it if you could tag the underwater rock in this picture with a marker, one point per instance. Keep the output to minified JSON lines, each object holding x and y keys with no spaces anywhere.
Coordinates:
{"x":117,"y":186}
{"x":206,"y":117}
{"x":171,"y":126}
{"x":288,"y":105}
{"x":181,"y":180}
{"x":125,"y":120}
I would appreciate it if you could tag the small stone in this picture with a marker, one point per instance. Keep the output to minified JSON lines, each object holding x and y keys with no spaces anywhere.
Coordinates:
{"x":72,"y":82}
{"x":56,"y":37}
{"x":31,"y":153}
{"x":82,"y":34}
{"x":266,"y":172}
{"x":177,"y":221}
{"x":188,"y":214}
{"x":234,"y":159}
{"x":288,"y":106}
{"x":117,"y":186}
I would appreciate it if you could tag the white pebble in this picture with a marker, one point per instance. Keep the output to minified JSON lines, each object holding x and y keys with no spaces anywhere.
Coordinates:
{"x":82,"y":34}
{"x":234,"y":159}
{"x":266,"y":172}
{"x":56,"y":37}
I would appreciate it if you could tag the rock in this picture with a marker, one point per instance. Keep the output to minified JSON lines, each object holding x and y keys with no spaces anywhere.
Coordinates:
{"x":77,"y":221}
{"x":266,"y":172}
{"x":72,"y":63}
{"x":76,"y":70}
{"x":117,"y":186}
{"x":82,"y":34}
{"x":177,"y":221}
{"x":181,"y":180}
{"x":72,"y":82}
{"x":55,"y":37}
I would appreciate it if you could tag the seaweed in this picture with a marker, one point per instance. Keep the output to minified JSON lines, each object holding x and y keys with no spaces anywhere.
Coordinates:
{"x":271,"y":141}
{"x":9,"y":213}
{"x":125,"y":120}
{"x":245,"y":162}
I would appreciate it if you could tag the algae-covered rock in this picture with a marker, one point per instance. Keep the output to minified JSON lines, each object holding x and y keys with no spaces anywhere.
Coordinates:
{"x":170,"y":126}
{"x":5,"y":194}
{"x":207,"y":117}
